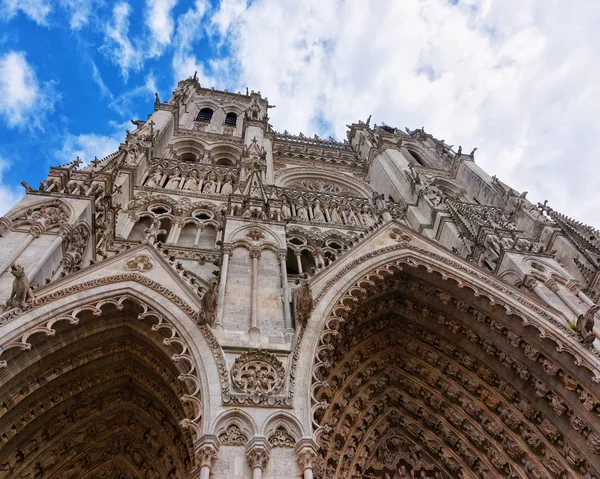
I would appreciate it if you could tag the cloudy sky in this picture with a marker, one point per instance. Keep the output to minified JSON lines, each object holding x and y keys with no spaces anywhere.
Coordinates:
{"x":519,"y":79}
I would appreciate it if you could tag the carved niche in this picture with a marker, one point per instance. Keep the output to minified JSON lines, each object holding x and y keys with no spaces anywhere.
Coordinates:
{"x":258,"y":374}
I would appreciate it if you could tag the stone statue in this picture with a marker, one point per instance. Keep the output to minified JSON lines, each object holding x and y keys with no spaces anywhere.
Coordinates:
{"x":227,"y":187}
{"x":21,"y":291}
{"x":192,"y":182}
{"x":208,"y":306}
{"x":286,"y":211}
{"x":365,"y":216}
{"x":351,"y":217}
{"x":301,"y":211}
{"x":304,"y":303}
{"x":318,"y":212}
{"x":585,"y":324}
{"x":379,"y":201}
{"x":174,"y":179}
{"x":334,"y":215}
{"x":156,"y":99}
{"x":210,"y":187}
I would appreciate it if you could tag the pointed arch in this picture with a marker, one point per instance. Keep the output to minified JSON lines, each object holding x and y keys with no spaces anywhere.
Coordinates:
{"x":443,"y":324}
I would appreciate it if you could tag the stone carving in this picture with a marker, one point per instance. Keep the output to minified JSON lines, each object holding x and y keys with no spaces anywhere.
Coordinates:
{"x":208,"y":309}
{"x":303,"y":303}
{"x":21,"y":295}
{"x":233,"y":436}
{"x":281,"y":438}
{"x":142,"y":263}
{"x":585,"y":324}
{"x":257,"y":457}
{"x":258,"y":373}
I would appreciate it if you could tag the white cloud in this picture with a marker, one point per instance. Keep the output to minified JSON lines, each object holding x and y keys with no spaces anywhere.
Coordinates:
{"x":36,"y":10}
{"x":189,"y":30}
{"x":80,"y":11}
{"x":9,"y":194}
{"x":160,"y":22}
{"x":118,"y":47}
{"x":502,"y":75}
{"x":87,"y":146}
{"x":25,"y":101}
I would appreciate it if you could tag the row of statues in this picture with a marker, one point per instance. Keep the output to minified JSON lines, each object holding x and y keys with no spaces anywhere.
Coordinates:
{"x":175,"y":179}
{"x":350,"y":215}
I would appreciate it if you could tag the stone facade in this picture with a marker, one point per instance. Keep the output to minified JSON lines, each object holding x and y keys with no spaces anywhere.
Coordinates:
{"x":219,"y":300}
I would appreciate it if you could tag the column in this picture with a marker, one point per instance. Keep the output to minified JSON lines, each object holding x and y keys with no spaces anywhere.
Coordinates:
{"x":306,"y":455}
{"x":257,"y":455}
{"x":299,"y":262}
{"x":206,"y":454}
{"x":254,"y":254}
{"x":34,"y":232}
{"x":64,"y":231}
{"x":227,"y":251}
{"x":287,"y":314}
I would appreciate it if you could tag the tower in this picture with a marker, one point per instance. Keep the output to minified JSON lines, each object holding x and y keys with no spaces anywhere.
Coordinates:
{"x":219,"y":299}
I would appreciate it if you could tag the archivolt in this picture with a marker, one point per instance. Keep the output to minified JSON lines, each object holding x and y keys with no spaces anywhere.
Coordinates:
{"x":473,"y":389}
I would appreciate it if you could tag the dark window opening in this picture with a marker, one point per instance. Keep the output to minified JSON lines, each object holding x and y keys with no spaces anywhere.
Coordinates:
{"x":291,"y":264}
{"x":417,"y":158}
{"x":204,"y":115}
{"x":231,"y":119}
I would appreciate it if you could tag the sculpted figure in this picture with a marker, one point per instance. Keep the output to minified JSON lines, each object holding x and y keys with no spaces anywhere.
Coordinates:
{"x":365,"y":216}
{"x":351,"y":217}
{"x":227,"y":187}
{"x":154,"y":178}
{"x":174,"y":179}
{"x":318,"y":212}
{"x":192,"y":182}
{"x":210,"y":187}
{"x":286,"y":211}
{"x":334,"y":215}
{"x":379,"y":201}
{"x":585,"y":324}
{"x":304,"y":303}
{"x":21,"y":291}
{"x":208,"y":308}
{"x":301,"y":211}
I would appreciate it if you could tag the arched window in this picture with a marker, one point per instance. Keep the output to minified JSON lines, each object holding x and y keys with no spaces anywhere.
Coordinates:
{"x":231,"y":119}
{"x":188,"y":157}
{"x":187,"y":236}
{"x":225,"y":162}
{"x":291,"y":263}
{"x":204,"y":115}
{"x":208,"y":237}
{"x":416,"y":157}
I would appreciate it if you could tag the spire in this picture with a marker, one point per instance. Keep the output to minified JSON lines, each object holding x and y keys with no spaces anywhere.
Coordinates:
{"x":584,"y":237}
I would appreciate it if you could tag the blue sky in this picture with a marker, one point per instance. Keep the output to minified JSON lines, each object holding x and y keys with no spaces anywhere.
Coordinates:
{"x":519,"y":79}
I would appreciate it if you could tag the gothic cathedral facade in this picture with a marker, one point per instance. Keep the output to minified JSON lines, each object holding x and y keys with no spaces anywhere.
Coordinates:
{"x":220,"y":300}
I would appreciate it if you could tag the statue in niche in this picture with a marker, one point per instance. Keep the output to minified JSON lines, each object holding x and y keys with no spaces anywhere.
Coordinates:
{"x":227,"y":187}
{"x":286,"y":210}
{"x":210,"y":185}
{"x":174,"y":179}
{"x":155,"y":178}
{"x":21,"y":293}
{"x":191,"y":183}
{"x":301,"y":211}
{"x":208,"y":306}
{"x":334,"y":215}
{"x":379,"y":201}
{"x":366,"y":217}
{"x":351,"y":217}
{"x":318,"y":212}
{"x":303,"y":303}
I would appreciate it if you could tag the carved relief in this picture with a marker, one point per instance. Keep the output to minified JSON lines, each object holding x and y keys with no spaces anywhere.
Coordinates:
{"x":258,"y":374}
